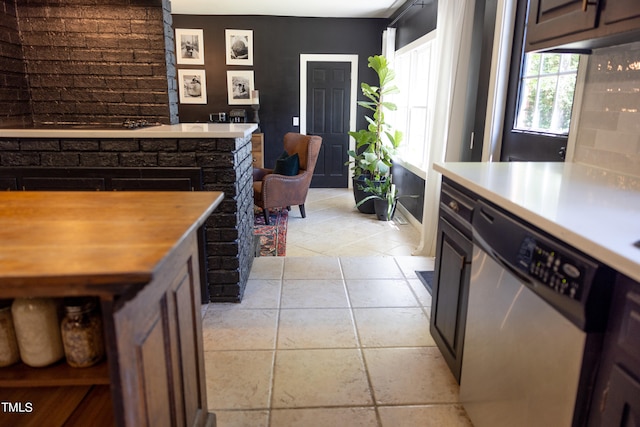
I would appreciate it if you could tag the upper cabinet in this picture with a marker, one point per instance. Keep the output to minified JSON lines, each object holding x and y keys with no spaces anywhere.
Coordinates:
{"x":581,"y":24}
{"x":550,"y":20}
{"x":616,"y":11}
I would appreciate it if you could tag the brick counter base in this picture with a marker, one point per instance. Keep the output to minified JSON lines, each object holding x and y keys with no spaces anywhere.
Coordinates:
{"x":226,"y":165}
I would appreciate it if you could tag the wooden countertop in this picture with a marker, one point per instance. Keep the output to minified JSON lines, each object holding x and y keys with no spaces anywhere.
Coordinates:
{"x":92,"y":243}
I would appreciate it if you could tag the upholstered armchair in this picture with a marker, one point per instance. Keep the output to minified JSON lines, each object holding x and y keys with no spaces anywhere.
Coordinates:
{"x":275,"y":190}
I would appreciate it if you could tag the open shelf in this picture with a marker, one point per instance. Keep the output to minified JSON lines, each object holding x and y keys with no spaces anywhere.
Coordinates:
{"x":60,"y":374}
{"x":60,"y":406}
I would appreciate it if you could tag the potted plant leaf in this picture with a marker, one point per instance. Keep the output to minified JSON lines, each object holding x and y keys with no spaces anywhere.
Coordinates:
{"x":384,"y":196}
{"x":378,"y":143}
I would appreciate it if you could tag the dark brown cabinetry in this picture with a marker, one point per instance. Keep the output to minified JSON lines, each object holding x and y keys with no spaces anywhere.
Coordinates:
{"x":142,"y":263}
{"x":257,"y":150}
{"x":619,"y":11}
{"x":581,"y":24}
{"x":551,"y":19}
{"x":157,"y":335}
{"x":452,"y":273}
{"x":616,"y":401}
{"x":101,"y":179}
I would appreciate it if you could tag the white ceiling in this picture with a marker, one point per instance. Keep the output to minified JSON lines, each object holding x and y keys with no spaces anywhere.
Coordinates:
{"x":314,"y":8}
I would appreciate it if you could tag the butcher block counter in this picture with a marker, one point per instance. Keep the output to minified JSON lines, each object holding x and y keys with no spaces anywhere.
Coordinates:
{"x":137,"y":253}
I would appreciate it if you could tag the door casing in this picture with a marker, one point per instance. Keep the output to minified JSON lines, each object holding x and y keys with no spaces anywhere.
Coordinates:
{"x":353,"y":59}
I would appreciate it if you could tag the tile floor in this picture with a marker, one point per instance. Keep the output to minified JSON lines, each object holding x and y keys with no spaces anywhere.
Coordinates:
{"x":331,"y":337}
{"x":334,"y":227}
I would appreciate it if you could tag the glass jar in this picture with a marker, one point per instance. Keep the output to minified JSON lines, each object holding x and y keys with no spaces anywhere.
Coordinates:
{"x":82,"y":334}
{"x":37,"y":329}
{"x":9,"y":353}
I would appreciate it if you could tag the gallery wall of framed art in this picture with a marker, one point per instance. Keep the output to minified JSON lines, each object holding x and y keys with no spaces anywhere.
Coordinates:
{"x":239,"y":47}
{"x":190,"y":46}
{"x":192,"y":84}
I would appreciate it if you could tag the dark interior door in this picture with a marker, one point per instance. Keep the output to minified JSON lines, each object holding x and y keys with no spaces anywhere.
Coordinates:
{"x":520,"y":145}
{"x":328,"y":98}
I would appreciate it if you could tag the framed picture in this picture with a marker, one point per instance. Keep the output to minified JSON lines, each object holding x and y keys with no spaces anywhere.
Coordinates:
{"x":239,"y":47}
{"x":240,"y":85}
{"x":189,"y":46}
{"x":192,"y":85}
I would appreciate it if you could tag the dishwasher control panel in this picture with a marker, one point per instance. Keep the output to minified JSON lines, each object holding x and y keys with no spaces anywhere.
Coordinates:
{"x":550,"y":266}
{"x":573,"y":283}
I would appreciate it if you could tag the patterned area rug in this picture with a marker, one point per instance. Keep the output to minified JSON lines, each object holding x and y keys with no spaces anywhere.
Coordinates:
{"x":272,"y":238}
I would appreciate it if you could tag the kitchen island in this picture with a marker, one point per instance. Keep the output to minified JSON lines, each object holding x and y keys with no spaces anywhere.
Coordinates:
{"x":137,"y":253}
{"x":551,"y":325}
{"x":165,"y":157}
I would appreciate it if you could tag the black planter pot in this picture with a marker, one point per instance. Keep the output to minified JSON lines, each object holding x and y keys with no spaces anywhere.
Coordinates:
{"x":358,"y":194}
{"x":381,"y":208}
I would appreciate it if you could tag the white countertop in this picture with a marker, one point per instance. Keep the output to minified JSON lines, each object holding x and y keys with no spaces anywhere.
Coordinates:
{"x":181,"y":130}
{"x":594,"y":210}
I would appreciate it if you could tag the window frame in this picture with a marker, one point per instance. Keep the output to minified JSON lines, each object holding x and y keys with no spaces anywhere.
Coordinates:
{"x":427,"y":101}
{"x":538,"y":76}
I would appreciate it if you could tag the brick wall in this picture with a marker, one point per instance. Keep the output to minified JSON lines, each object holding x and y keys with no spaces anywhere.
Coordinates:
{"x":98,"y":61}
{"x":14,"y":91}
{"x":226,"y":166}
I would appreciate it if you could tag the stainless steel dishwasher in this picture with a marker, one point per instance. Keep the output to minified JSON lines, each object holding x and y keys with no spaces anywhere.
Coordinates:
{"x":536,"y":315}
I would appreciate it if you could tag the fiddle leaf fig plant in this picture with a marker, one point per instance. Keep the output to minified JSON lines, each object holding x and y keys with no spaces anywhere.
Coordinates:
{"x":385,"y":191}
{"x":378,"y":143}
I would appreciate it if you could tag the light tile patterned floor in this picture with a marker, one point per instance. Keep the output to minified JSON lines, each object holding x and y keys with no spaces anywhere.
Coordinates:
{"x":331,"y":338}
{"x":334,"y":227}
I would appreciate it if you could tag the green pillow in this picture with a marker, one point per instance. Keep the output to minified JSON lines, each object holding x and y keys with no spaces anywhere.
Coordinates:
{"x":287,"y":165}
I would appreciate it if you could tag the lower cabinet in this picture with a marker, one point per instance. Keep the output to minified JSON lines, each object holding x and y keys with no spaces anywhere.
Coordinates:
{"x":616,"y":400}
{"x":622,"y":406}
{"x":154,"y":370}
{"x":159,"y":342}
{"x":450,"y":292}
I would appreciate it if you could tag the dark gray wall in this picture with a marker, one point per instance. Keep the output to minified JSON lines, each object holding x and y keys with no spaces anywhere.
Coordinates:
{"x":278,"y":43}
{"x":414,"y":22}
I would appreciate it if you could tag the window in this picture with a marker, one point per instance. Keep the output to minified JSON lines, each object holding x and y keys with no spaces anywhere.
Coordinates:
{"x":414,"y":77}
{"x":546,"y":93}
